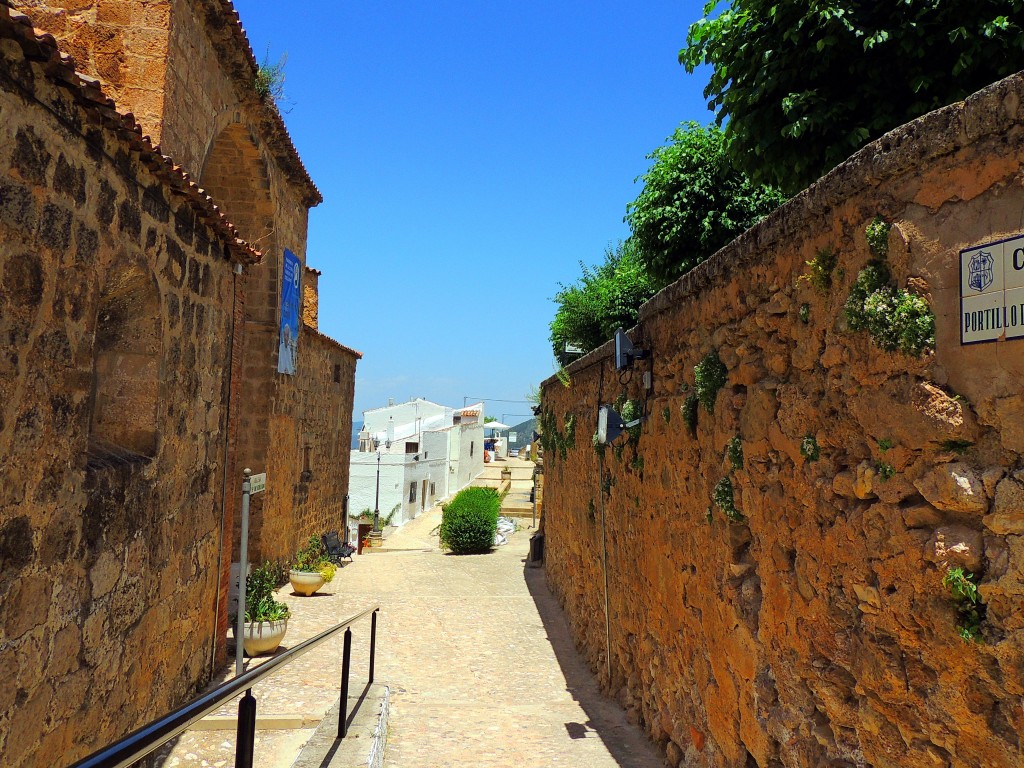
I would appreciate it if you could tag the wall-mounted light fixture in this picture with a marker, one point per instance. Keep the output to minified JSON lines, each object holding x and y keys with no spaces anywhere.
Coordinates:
{"x":610,"y":425}
{"x":625,"y":352}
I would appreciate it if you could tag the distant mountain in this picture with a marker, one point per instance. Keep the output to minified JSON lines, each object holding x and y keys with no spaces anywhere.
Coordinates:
{"x":523,"y":434}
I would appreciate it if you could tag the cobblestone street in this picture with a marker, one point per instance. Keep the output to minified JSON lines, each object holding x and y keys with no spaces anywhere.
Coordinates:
{"x":482,"y":669}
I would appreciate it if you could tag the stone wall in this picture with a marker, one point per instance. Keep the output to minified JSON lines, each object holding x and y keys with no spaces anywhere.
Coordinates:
{"x":815,"y":629}
{"x":116,"y":297}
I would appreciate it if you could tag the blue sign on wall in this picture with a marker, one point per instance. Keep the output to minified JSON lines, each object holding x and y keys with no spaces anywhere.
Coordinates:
{"x":291,"y":297}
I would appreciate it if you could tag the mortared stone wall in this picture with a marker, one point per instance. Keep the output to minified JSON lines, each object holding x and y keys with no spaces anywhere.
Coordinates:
{"x":816,"y":630}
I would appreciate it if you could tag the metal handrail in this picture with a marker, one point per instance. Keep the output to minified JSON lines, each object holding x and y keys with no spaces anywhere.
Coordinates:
{"x":150,"y":737}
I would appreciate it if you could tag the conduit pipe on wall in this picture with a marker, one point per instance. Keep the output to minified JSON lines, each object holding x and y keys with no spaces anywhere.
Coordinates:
{"x":235,"y":272}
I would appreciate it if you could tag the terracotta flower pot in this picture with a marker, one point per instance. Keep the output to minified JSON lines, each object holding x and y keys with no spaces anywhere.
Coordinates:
{"x":263,"y":637}
{"x":305,"y":582}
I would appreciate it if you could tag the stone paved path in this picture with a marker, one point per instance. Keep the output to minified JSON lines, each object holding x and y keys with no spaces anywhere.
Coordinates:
{"x":476,"y":652}
{"x":481,"y":666}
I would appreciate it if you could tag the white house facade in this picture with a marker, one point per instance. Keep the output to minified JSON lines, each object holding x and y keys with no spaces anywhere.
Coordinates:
{"x":419,"y":452}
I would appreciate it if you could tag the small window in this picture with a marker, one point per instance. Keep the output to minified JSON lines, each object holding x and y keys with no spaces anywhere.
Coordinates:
{"x":337,"y":373}
{"x":412,"y":447}
{"x":425,"y":455}
{"x":471,"y":445}
{"x":432,"y":491}
{"x":412,"y":491}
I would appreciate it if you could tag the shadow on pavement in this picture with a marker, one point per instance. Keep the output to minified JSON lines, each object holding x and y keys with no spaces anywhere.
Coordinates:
{"x":627,"y":744}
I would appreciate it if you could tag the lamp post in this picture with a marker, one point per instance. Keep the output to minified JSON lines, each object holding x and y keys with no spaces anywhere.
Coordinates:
{"x":376,"y":500}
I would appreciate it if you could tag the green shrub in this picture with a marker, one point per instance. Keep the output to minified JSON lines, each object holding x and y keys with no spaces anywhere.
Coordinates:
{"x":956,"y":446}
{"x":877,"y":233}
{"x":470,"y":520}
{"x":886,"y":471}
{"x":805,"y":313}
{"x":666,"y":414}
{"x":710,"y":374}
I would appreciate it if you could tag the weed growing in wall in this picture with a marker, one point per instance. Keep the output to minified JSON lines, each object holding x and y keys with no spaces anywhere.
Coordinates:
{"x":805,"y":313}
{"x":885,"y":470}
{"x":638,"y":464}
{"x":895,"y":318}
{"x":885,"y":444}
{"x":709,"y":374}
{"x":970,"y":610}
{"x":877,"y":234}
{"x":598,"y":445}
{"x":734,"y":450}
{"x":722,"y":497}
{"x":809,"y":448}
{"x":607,"y":484}
{"x":569,"y":441}
{"x":617,"y":451}
{"x":822,"y":265}
{"x":689,"y":412}
{"x":666,"y":414}
{"x":632,"y":410}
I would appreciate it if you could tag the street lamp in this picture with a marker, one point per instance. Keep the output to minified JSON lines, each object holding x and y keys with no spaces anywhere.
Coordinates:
{"x":376,"y":499}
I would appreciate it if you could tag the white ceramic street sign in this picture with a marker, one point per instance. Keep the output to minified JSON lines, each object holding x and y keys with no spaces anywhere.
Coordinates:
{"x":257,"y":483}
{"x":992,"y":291}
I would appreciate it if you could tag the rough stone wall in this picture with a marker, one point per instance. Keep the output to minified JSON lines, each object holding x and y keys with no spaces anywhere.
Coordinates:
{"x":817,"y":630}
{"x":122,"y":42}
{"x":310,"y":450}
{"x":108,"y":548}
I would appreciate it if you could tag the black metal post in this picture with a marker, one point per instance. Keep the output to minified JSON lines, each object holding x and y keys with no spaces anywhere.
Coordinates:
{"x":346,"y":660}
{"x":373,"y":641}
{"x":246,"y":735}
{"x":376,"y":500}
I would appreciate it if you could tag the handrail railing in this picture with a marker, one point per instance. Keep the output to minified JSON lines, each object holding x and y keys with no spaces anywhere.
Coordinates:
{"x":150,"y":737}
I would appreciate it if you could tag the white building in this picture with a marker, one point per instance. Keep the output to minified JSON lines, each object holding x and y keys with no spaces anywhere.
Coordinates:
{"x":427,"y":452}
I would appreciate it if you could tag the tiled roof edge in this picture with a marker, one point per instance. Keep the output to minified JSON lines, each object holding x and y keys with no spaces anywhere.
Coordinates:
{"x":60,"y":69}
{"x":240,"y":63}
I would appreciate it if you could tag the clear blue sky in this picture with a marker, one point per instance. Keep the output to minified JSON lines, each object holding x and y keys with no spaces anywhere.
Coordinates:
{"x":470,"y":155}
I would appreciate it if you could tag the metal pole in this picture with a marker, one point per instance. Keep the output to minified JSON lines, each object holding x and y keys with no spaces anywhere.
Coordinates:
{"x":346,"y":660}
{"x":246,"y":733}
{"x":604,"y":567}
{"x":373,"y":642}
{"x":243,"y":566}
{"x":376,"y":500}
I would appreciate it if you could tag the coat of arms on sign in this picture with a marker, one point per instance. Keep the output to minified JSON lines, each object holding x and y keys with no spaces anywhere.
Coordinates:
{"x":981,"y":271}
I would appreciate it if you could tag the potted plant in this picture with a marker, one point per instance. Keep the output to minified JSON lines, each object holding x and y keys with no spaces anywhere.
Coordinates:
{"x":266,"y":619}
{"x":311,"y":568}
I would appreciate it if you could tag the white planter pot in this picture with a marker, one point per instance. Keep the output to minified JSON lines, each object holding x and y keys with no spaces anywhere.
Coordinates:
{"x":305,"y":582}
{"x":263,"y":637}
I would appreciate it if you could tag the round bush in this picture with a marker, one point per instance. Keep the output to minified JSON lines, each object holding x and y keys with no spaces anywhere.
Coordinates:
{"x":470,"y":520}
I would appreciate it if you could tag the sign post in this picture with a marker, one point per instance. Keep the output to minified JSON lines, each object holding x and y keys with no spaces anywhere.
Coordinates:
{"x":250,"y":484}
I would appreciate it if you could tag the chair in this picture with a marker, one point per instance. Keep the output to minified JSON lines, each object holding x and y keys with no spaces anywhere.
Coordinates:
{"x":337,"y":550}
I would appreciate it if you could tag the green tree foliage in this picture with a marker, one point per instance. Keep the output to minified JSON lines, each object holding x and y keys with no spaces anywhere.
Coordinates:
{"x":801,"y":86}
{"x":693,"y":202}
{"x":470,"y":520}
{"x":604,"y":298}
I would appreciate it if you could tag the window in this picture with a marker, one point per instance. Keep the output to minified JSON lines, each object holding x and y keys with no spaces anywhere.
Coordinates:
{"x":412,"y":491}
{"x":337,"y":373}
{"x":126,"y":370}
{"x":471,"y":444}
{"x":425,"y":455}
{"x":412,"y":447}
{"x":432,"y":491}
